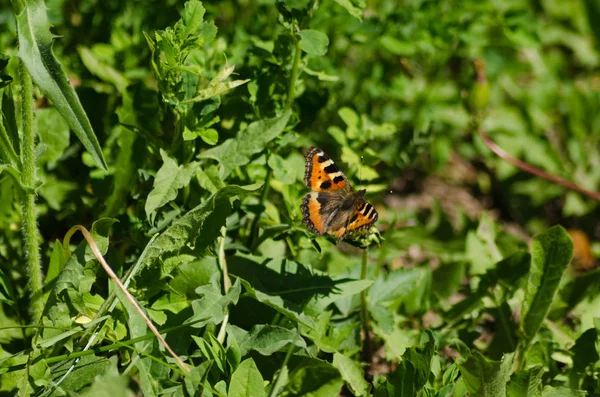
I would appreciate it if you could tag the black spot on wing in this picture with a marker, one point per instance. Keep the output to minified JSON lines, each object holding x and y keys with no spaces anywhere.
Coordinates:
{"x":353,"y":218}
{"x":325,"y":185}
{"x":322,"y":158}
{"x":338,"y":179}
{"x":361,"y":206}
{"x":331,"y":169}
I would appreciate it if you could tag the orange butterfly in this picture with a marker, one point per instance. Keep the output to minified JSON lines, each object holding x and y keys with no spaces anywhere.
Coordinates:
{"x":332,"y":206}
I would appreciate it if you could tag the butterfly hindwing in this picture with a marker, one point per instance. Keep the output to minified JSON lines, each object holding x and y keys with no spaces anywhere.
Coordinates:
{"x":322,"y":174}
{"x":311,"y":214}
{"x":363,"y":217}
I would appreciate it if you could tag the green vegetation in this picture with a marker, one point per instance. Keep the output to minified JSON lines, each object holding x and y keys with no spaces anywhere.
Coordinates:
{"x":473,"y":125}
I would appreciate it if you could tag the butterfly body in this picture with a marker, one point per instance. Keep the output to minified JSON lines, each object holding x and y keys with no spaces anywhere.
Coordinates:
{"x":333,"y":206}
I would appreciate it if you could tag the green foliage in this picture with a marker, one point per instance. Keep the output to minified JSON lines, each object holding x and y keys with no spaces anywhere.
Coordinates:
{"x":192,"y":118}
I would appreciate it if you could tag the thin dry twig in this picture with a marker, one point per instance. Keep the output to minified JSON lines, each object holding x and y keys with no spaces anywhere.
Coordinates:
{"x":226,"y":281}
{"x":130,"y":298}
{"x":536,"y":171}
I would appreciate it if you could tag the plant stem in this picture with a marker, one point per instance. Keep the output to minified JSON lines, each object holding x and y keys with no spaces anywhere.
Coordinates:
{"x":534,"y":170}
{"x":288,"y":105}
{"x":263,"y":198}
{"x":364,"y":314}
{"x":28,"y":178}
{"x":277,"y":385}
{"x":294,"y":75}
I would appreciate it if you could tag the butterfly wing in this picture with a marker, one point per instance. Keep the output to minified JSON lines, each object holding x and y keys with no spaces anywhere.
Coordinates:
{"x":322,"y":174}
{"x":332,"y":207}
{"x":363,"y":217}
{"x":312,"y":213}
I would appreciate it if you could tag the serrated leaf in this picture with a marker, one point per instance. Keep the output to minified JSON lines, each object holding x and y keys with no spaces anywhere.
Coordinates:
{"x":169,"y":179}
{"x":526,"y":383}
{"x":186,"y":230}
{"x":237,"y":152}
{"x":551,"y":252}
{"x":72,"y":275}
{"x":192,"y":16}
{"x":211,"y":308}
{"x":413,"y":371}
{"x":267,"y":339}
{"x":35,"y":50}
{"x":246,"y":381}
{"x":314,"y":42}
{"x":485,"y":377}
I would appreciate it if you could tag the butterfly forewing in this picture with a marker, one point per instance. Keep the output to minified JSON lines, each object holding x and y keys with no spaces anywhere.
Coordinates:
{"x":322,"y":174}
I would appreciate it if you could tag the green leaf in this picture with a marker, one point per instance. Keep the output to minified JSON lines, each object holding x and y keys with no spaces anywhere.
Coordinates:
{"x":584,"y":353}
{"x":89,"y":370}
{"x":560,"y":391}
{"x":350,"y":118}
{"x":397,"y":47}
{"x":246,"y":381}
{"x":9,"y":119}
{"x":211,"y":308}
{"x":593,"y":15}
{"x":169,"y":179}
{"x":7,"y":150}
{"x":356,"y":12}
{"x":109,"y":384}
{"x":186,"y":230}
{"x":102,"y":70}
{"x":312,"y":377}
{"x":57,"y":262}
{"x":414,"y":370}
{"x":218,"y":85}
{"x":551,"y":252}
{"x":392,"y":288}
{"x":208,"y":135}
{"x":54,"y":134}
{"x":297,"y":4}
{"x":6,"y":290}
{"x":281,"y":169}
{"x":485,"y":377}
{"x":526,"y":383}
{"x":284,"y":307}
{"x":125,"y":172}
{"x":314,"y":42}
{"x":35,"y":50}
{"x":268,"y":339}
{"x":352,"y":374}
{"x":237,"y":152}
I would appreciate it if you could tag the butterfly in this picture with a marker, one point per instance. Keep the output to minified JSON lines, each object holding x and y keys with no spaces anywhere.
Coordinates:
{"x":333,"y":206}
